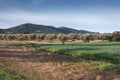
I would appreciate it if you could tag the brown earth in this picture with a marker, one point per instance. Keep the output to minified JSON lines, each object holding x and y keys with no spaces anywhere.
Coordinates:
{"x":44,"y":66}
{"x":48,"y":42}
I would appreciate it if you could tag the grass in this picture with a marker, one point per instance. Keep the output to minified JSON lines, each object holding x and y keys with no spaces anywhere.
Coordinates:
{"x":109,"y":52}
{"x":4,"y":75}
{"x":105,"y":66}
{"x":106,"y":55}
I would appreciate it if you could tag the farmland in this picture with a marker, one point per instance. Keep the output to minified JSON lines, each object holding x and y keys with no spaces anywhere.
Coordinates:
{"x":109,"y":52}
{"x":71,"y":61}
{"x":103,"y":52}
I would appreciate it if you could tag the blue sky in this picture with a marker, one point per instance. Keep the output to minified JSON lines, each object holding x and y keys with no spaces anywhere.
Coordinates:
{"x":93,"y":15}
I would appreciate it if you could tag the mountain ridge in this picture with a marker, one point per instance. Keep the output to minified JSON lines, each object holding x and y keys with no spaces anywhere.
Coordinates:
{"x":35,"y":28}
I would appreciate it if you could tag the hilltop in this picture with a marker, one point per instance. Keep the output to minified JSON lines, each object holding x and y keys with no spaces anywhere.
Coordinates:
{"x":34,"y":28}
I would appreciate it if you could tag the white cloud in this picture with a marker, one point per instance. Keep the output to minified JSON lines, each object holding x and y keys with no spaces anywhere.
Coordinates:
{"x":89,"y":21}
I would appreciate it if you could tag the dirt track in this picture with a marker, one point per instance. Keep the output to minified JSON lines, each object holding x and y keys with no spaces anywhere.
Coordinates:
{"x":41,"y":66}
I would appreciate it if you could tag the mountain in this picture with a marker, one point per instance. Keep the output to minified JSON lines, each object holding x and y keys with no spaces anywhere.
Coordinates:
{"x":70,"y":30}
{"x":33,"y":28}
{"x":1,"y":31}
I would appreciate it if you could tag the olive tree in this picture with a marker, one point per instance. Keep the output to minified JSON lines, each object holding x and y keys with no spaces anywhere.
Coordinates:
{"x":62,"y":38}
{"x":116,"y":36}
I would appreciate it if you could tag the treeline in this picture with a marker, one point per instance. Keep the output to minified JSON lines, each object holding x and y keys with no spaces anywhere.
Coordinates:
{"x":115,"y":36}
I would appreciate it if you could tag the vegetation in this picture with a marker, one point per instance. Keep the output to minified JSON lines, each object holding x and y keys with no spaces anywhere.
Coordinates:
{"x":62,"y":38}
{"x":115,"y":36}
{"x":29,"y":28}
{"x":107,"y":53}
{"x":4,"y":75}
{"x":104,"y":55}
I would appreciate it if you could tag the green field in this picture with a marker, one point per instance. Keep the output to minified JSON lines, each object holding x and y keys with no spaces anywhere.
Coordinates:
{"x":103,"y":55}
{"x":4,"y":75}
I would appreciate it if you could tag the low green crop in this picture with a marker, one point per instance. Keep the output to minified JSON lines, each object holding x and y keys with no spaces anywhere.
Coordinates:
{"x":108,"y":52}
{"x":4,"y":75}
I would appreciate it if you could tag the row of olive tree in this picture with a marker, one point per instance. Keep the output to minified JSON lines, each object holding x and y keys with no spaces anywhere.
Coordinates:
{"x":115,"y":36}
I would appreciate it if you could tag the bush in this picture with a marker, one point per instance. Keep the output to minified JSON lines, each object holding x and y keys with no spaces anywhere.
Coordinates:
{"x":116,"y":36}
{"x":62,"y":38}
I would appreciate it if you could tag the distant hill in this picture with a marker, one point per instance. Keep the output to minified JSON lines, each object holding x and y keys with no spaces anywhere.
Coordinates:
{"x":1,"y":31}
{"x":70,"y":30}
{"x":33,"y":28}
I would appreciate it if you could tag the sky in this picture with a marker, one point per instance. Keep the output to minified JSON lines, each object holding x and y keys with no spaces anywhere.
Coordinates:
{"x":92,"y":15}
